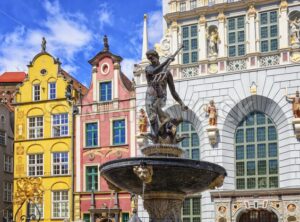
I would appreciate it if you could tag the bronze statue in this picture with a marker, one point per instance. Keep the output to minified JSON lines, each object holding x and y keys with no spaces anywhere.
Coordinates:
{"x":211,"y":110}
{"x":296,"y":103}
{"x":158,"y":77}
{"x":44,"y":42}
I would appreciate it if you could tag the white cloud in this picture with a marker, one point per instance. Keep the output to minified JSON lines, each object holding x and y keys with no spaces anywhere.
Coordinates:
{"x":155,"y":28}
{"x":105,"y":15}
{"x":66,"y":36}
{"x":127,"y":66}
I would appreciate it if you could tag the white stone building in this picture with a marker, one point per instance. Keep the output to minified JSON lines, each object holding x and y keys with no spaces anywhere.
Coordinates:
{"x":245,"y":56}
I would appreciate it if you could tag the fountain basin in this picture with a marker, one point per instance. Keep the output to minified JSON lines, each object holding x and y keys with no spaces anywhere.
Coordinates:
{"x":170,"y":175}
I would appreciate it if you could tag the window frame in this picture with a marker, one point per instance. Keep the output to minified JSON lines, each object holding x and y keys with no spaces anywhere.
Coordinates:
{"x":7,"y":191}
{"x":60,"y":202}
{"x":36,"y":92}
{"x":49,"y":90}
{"x":86,"y":177}
{"x":35,"y":165}
{"x":236,"y":31}
{"x":248,"y":144}
{"x":85,"y":134}
{"x":35,"y":128}
{"x":182,"y":6}
{"x":58,"y":127}
{"x":193,"y":4}
{"x":191,"y":216}
{"x":41,"y":208}
{"x":189,"y":40}
{"x":268,"y":26}
{"x":59,"y":164}
{"x":3,"y":138}
{"x":100,"y":94}
{"x":113,"y":133}
{"x":8,"y":165}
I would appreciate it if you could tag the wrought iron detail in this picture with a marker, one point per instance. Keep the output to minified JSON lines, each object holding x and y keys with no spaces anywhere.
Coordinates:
{"x":237,"y":65}
{"x":267,"y":61}
{"x":188,"y":72}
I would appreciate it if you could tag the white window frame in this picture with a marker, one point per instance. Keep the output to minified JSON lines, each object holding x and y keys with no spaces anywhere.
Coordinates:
{"x":8,"y":163}
{"x":49,"y":90}
{"x":59,"y":164}
{"x":35,"y":212}
{"x":60,"y":125}
{"x":60,"y":202}
{"x":193,"y":4}
{"x":36,"y":92}
{"x":3,"y":138}
{"x":7,"y":191}
{"x":35,"y":165}
{"x":35,"y":128}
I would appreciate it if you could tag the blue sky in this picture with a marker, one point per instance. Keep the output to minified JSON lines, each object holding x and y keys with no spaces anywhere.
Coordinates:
{"x":74,"y":31}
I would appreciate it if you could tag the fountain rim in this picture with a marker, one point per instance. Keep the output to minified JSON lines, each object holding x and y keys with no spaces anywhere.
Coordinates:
{"x":165,"y":161}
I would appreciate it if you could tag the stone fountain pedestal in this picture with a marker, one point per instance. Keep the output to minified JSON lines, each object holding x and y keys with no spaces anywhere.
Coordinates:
{"x":163,"y":179}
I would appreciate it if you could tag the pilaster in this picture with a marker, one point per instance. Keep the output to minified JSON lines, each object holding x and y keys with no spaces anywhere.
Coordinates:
{"x":116,"y":80}
{"x":174,"y":39}
{"x":252,"y":29}
{"x":202,"y":38}
{"x":283,"y":25}
{"x":221,"y":29}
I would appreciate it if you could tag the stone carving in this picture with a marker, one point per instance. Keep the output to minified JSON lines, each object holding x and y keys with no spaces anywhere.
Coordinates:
{"x":213,"y":68}
{"x":295,"y":57}
{"x":295,"y":100}
{"x":253,"y":88}
{"x":237,"y":65}
{"x":291,"y":207}
{"x":189,"y":72}
{"x":218,"y":182}
{"x":252,"y":11}
{"x":143,"y":121}
{"x":144,"y":172}
{"x":267,"y":61}
{"x":294,"y":31}
{"x":283,"y":5}
{"x":221,"y":17}
{"x":158,"y":77}
{"x":202,"y":20}
{"x":211,"y":110}
{"x":213,"y":40}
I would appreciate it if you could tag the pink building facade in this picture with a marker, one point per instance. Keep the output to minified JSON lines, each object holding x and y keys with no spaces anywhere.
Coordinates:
{"x":105,"y":130}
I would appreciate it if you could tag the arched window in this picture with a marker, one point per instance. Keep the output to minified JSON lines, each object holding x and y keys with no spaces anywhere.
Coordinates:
{"x":256,"y":153}
{"x":191,"y":144}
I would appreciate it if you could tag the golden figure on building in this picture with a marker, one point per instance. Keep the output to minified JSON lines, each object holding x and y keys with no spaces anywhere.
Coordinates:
{"x":143,"y":121}
{"x":296,"y":103}
{"x":211,"y":110}
{"x":213,"y":40}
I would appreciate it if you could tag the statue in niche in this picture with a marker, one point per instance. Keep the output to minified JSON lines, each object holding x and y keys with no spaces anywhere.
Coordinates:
{"x":211,"y":110}
{"x":295,"y":100}
{"x":295,"y":32}
{"x":158,"y":78}
{"x":213,"y":40}
{"x":143,"y":121}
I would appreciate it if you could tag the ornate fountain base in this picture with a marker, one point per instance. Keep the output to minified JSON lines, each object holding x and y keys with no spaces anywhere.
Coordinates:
{"x":164,"y":206}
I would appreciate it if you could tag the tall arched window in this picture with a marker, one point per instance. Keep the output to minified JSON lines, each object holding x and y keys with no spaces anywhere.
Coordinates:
{"x":191,"y":144}
{"x":256,"y":153}
{"x":191,"y":210}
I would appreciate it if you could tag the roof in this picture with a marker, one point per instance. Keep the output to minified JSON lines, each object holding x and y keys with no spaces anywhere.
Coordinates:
{"x":16,"y":77}
{"x":127,"y":83}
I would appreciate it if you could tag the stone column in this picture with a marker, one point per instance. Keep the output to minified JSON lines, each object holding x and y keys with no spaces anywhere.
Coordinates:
{"x":174,"y":40}
{"x":202,"y":38}
{"x":252,"y":29}
{"x":116,"y":79}
{"x":283,"y":25}
{"x":221,"y":30}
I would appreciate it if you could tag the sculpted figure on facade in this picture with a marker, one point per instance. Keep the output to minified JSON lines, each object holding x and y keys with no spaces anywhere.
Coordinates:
{"x":295,"y":32}
{"x":213,"y":40}
{"x":295,"y":100}
{"x":143,"y":121}
{"x":158,"y":78}
{"x":211,"y":110}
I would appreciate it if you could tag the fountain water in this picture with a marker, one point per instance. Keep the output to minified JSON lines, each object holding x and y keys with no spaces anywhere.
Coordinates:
{"x":162,"y":177}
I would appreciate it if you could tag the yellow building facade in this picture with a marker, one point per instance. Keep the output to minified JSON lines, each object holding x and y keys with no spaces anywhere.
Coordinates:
{"x":43,"y":136}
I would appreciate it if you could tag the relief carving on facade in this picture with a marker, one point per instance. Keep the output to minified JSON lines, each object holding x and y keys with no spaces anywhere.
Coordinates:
{"x":212,"y":130}
{"x":222,"y":212}
{"x":291,"y":211}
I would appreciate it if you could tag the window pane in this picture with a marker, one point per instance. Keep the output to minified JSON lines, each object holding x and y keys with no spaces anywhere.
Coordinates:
{"x":262,"y":182}
{"x":261,"y":150}
{"x":274,"y":44}
{"x":272,"y":149}
{"x":264,"y":32}
{"x":274,"y":31}
{"x":185,"y":32}
{"x":241,"y":49}
{"x":240,"y":136}
{"x":185,"y":58}
{"x":186,"y":207}
{"x":264,"y":46}
{"x":240,"y":169}
{"x":186,"y":45}
{"x":240,"y":22}
{"x":250,"y":135}
{"x":196,"y":206}
{"x":273,"y":167}
{"x":261,"y":134}
{"x":263,"y":18}
{"x":240,"y":152}
{"x":272,"y":135}
{"x":251,"y":183}
{"x":251,"y":168}
{"x":260,"y":118}
{"x":241,"y":36}
{"x":231,"y":24}
{"x":273,"y":17}
{"x":232,"y":51}
{"x":194,"y":56}
{"x":193,"y":31}
{"x":231,"y":37}
{"x":250,"y":151}
{"x":262,"y":167}
{"x":240,"y":183}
